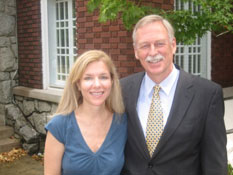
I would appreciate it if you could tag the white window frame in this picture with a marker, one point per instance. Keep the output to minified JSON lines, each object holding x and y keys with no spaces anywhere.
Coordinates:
{"x":46,"y":50}
{"x":205,"y":52}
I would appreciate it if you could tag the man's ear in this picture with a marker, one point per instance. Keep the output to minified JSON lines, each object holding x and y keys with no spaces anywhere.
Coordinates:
{"x":174,"y":45}
{"x":136,"y":53}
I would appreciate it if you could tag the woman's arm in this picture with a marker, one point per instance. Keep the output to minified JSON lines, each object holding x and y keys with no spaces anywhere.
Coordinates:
{"x":54,"y":151}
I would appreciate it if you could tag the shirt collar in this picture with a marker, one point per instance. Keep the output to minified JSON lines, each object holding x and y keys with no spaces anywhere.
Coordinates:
{"x":166,"y":85}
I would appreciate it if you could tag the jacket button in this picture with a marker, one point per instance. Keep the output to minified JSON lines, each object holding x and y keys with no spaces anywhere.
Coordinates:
{"x":150,"y":165}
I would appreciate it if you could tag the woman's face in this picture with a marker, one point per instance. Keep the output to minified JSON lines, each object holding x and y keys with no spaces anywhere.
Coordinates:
{"x":95,"y":84}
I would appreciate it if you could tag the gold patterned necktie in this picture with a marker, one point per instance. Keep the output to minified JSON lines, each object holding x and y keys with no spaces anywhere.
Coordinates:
{"x":154,"y":128}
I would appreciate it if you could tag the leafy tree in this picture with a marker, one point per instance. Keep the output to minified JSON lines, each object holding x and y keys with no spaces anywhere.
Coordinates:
{"x":215,"y":16}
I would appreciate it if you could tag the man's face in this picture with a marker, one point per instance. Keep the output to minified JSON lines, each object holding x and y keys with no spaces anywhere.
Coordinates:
{"x":154,"y":49}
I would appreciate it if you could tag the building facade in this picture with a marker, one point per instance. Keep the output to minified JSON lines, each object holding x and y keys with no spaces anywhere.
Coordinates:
{"x":41,"y":38}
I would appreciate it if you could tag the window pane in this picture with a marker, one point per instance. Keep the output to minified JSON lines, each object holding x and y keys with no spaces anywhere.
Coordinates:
{"x":61,"y":10}
{"x":66,"y":10}
{"x":192,"y":58}
{"x":62,"y":39}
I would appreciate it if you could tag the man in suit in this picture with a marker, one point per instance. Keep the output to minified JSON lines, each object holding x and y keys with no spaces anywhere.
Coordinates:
{"x":193,"y":139}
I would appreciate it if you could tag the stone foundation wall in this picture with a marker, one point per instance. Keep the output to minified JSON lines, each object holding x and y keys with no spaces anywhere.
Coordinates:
{"x":8,"y":54}
{"x":28,"y":117}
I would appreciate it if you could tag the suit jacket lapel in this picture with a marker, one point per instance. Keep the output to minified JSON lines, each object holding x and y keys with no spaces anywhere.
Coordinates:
{"x":182,"y":99}
{"x":136,"y":124}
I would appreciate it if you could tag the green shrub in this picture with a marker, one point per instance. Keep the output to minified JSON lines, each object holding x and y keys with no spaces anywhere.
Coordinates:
{"x":230,"y":169}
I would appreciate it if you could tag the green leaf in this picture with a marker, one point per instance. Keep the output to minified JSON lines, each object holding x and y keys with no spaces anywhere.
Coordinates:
{"x":93,"y":4}
{"x":215,"y":16}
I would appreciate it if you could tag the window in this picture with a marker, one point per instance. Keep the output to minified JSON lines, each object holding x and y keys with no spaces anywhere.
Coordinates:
{"x":61,"y":48}
{"x":193,"y":58}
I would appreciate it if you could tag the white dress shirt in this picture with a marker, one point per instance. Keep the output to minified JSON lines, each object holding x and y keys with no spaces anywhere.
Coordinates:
{"x":168,"y":87}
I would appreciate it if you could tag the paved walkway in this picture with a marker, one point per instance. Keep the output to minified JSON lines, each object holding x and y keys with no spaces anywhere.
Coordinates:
{"x":26,"y":165}
{"x":228,"y":95}
{"x":229,"y":125}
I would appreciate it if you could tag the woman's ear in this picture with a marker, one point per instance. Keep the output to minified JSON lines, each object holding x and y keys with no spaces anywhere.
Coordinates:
{"x":78,"y":85}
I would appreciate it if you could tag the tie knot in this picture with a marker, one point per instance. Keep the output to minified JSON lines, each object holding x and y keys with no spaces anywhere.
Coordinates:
{"x":157,"y":89}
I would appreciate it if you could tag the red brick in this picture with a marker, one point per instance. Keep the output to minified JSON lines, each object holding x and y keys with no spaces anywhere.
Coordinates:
{"x":167,"y":6}
{"x":114,"y":40}
{"x":122,"y":57}
{"x":105,"y":40}
{"x":81,"y":30}
{"x":105,"y":46}
{"x":105,"y":28}
{"x":97,"y":29}
{"x":222,"y":60}
{"x":114,"y":34}
{"x":89,"y":46}
{"x":122,"y":33}
{"x":97,"y":40}
{"x":97,"y":35}
{"x":79,"y":3}
{"x":115,"y":46}
{"x":138,"y":69}
{"x":79,"y":20}
{"x":115,"y":51}
{"x":89,"y":29}
{"x":89,"y":40}
{"x":82,"y":41}
{"x":81,"y":9}
{"x":89,"y":35}
{"x":97,"y":46}
{"x":95,"y":18}
{"x":89,"y":24}
{"x":105,"y":34}
{"x":89,"y":19}
{"x":114,"y":28}
{"x":122,"y":69}
{"x":128,"y":64}
{"x":122,"y":45}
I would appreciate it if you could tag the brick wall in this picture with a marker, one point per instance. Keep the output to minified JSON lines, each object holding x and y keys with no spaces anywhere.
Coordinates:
{"x":222,"y":59}
{"x":29,"y":43}
{"x":111,"y":37}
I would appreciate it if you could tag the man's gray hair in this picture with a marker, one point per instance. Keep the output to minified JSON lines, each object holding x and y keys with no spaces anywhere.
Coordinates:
{"x":150,"y":19}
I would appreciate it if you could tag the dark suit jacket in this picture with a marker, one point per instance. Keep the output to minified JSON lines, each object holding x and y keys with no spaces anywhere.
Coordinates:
{"x":194,"y":138}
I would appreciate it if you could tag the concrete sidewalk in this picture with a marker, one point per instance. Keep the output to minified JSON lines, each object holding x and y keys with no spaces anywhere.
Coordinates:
{"x":229,"y":125}
{"x":26,"y":165}
{"x":228,"y":95}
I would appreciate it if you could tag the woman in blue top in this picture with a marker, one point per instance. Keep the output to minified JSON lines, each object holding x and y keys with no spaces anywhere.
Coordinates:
{"x":88,"y":133}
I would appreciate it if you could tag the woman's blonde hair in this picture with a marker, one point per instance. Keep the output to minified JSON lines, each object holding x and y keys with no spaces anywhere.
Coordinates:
{"x":72,"y":96}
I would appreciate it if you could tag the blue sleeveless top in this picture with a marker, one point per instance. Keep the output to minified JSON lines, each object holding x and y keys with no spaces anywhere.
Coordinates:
{"x":78,"y":159}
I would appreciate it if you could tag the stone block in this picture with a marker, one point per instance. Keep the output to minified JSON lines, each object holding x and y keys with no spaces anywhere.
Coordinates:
{"x":43,"y":106}
{"x":2,"y":6}
{"x":7,"y":59}
{"x":4,"y":76}
{"x":5,"y":92}
{"x":31,"y":148}
{"x":2,"y":120}
{"x":2,"y":109}
{"x":4,"y":41}
{"x":7,"y":26}
{"x":28,"y":107}
{"x":29,"y":134}
{"x":13,"y":112}
{"x":39,"y":121}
